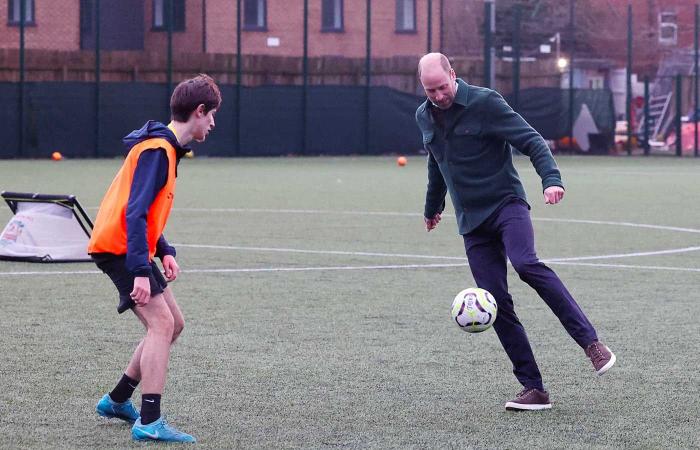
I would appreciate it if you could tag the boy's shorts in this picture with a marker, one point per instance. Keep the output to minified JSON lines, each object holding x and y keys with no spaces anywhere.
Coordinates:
{"x":115,"y":268}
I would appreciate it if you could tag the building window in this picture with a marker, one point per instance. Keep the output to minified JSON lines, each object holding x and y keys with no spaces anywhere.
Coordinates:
{"x":405,"y":16}
{"x":668,"y":28}
{"x":255,"y":15}
{"x":332,"y":15}
{"x":161,"y":15}
{"x":14,"y":13}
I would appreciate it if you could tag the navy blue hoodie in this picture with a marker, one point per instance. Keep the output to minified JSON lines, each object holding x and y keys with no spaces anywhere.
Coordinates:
{"x":150,"y":177}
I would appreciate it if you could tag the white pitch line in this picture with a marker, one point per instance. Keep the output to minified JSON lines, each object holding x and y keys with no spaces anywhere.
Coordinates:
{"x":255,"y":269}
{"x":318,"y":252}
{"x":559,"y":261}
{"x":624,"y":255}
{"x":454,"y":258}
{"x":627,"y":266}
{"x":302,"y":211}
{"x":321,"y":268}
{"x":621,"y":224}
{"x":52,"y":272}
{"x":405,"y":214}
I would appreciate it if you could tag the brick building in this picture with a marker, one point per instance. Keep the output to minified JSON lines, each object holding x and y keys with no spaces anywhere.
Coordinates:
{"x":54,"y":25}
{"x":337,"y":27}
{"x":269,"y":27}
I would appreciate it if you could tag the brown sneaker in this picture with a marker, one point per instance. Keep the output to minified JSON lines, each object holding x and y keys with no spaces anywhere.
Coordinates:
{"x":529,"y":399}
{"x":601,"y":357}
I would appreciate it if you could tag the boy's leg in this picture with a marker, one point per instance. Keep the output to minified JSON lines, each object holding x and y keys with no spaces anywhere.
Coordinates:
{"x":133,"y":370}
{"x":117,"y":404}
{"x":164,"y":324}
{"x":178,"y":318}
{"x":155,"y":351}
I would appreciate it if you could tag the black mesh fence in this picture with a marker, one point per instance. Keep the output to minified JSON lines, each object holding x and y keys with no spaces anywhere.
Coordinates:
{"x":308,"y":77}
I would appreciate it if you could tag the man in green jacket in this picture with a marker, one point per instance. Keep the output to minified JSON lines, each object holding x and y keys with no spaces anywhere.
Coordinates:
{"x":468,"y":132}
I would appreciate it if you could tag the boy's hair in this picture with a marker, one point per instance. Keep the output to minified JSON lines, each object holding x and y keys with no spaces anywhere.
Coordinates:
{"x":194,"y":92}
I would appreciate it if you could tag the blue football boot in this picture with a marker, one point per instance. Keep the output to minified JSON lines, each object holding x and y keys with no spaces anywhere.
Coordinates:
{"x":159,"y":431}
{"x":107,"y":407}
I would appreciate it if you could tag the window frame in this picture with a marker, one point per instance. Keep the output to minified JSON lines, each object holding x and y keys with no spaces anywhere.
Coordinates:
{"x":398,"y":30}
{"x":29,"y":13}
{"x":255,"y":27}
{"x":179,"y":26}
{"x":333,"y":29}
{"x":668,"y":22}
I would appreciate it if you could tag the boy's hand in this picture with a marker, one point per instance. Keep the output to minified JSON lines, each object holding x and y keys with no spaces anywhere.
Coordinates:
{"x":171,"y":268}
{"x":142,"y":291}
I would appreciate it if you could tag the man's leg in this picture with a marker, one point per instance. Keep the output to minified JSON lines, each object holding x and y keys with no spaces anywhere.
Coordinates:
{"x":487,"y":261}
{"x":519,"y":239}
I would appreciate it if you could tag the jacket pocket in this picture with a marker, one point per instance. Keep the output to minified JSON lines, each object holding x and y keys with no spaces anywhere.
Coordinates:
{"x":466,"y":141}
{"x":433,"y":147}
{"x":472,"y":130}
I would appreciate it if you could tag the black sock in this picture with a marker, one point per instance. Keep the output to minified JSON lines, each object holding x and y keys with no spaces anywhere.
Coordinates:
{"x":150,"y":408}
{"x":124,"y":389}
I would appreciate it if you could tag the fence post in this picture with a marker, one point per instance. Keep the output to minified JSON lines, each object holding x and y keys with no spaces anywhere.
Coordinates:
{"x":169,"y":4}
{"x":628,"y":106}
{"x":571,"y":73}
{"x":97,"y":78}
{"x":442,"y":26}
{"x":368,"y":68}
{"x":516,"y":57}
{"x":239,"y":77}
{"x":430,"y":26}
{"x":679,"y":109}
{"x":22,"y":18}
{"x":696,"y":112}
{"x":204,"y":26}
{"x":488,"y":54}
{"x":305,"y":79}
{"x":646,"y":116}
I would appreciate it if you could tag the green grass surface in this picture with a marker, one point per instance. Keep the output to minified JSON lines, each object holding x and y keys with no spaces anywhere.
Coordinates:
{"x":342,"y":354}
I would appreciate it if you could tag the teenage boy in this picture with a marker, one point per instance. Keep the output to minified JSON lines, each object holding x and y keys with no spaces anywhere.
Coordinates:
{"x":128,"y":235}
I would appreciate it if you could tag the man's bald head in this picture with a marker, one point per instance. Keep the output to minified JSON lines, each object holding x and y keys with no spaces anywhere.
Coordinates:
{"x":438,"y":79}
{"x":433,"y":61}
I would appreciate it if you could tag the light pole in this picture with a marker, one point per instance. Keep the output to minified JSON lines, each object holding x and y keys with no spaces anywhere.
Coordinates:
{"x":557,"y":41}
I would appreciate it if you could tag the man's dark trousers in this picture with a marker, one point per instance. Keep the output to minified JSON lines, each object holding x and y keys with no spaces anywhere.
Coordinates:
{"x":508,"y":232}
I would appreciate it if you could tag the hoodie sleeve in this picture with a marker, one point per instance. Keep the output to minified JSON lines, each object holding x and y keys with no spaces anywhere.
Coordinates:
{"x":150,"y":176}
{"x":163,"y":248}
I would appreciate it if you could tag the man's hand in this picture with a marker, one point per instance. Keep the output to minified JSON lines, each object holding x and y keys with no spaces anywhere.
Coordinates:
{"x":142,"y":291}
{"x":171,"y":268}
{"x":433,"y":222}
{"x":553,"y":195}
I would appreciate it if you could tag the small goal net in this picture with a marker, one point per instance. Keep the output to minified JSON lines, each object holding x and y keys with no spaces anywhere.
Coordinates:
{"x":45,"y":228}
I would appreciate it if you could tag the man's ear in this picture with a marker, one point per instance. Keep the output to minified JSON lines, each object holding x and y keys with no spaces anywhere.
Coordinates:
{"x":200,"y":110}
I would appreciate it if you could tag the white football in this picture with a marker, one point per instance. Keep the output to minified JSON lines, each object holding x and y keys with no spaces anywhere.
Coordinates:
{"x":474,"y":310}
